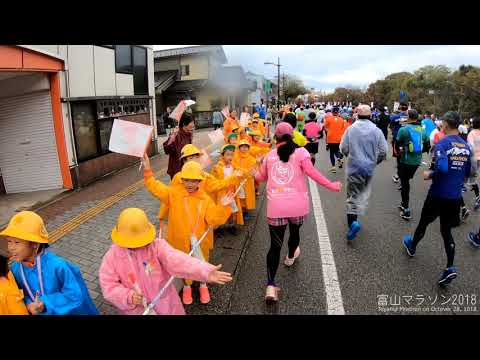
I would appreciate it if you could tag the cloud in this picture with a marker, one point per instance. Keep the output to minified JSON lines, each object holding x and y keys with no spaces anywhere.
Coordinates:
{"x":325,"y":67}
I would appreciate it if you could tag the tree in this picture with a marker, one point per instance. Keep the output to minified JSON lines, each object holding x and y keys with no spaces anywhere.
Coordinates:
{"x":294,"y":86}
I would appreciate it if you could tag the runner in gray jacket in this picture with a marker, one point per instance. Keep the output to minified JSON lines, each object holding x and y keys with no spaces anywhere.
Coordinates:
{"x":365,"y":147}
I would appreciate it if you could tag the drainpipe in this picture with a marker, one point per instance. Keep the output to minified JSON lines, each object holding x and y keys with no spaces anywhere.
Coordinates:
{"x":70,"y":120}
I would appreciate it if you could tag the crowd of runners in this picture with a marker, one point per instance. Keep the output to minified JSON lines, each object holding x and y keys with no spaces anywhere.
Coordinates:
{"x":137,"y":272}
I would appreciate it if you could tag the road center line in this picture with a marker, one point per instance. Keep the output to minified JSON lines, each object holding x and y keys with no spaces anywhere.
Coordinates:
{"x":330,"y":277}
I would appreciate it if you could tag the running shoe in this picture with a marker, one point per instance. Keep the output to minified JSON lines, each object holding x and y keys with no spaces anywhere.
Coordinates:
{"x":465,"y":213}
{"x":406,"y":214}
{"x":204,"y":294}
{"x":353,"y":231}
{"x":474,"y":239}
{"x":477,"y":203}
{"x":187,"y":295}
{"x":333,"y":169}
{"x":271,"y":294}
{"x":407,"y":243}
{"x":288,"y":261}
{"x":395,"y":178}
{"x":448,"y":275}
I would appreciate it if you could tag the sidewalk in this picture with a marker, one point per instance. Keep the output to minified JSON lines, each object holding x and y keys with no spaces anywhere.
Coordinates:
{"x":84,"y":242}
{"x":58,"y":210}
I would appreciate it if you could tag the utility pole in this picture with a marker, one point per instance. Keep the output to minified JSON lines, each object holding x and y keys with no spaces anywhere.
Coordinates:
{"x":284,"y":92}
{"x":278,"y":72}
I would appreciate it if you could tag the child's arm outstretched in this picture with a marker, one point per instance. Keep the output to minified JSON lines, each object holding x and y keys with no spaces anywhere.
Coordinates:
{"x":113,"y":290}
{"x":183,"y":266}
{"x":217,"y":215}
{"x":318,"y":177}
{"x":154,"y":186}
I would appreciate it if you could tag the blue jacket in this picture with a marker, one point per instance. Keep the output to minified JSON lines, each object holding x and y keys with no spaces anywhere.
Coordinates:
{"x":65,"y":290}
{"x":452,"y":158}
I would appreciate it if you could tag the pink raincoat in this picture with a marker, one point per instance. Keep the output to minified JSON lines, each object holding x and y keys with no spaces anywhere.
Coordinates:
{"x":150,"y":268}
{"x":287,"y":190}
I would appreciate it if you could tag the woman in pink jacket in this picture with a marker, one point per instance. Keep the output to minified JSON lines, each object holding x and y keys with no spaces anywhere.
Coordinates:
{"x":284,"y":169}
{"x":138,"y":265}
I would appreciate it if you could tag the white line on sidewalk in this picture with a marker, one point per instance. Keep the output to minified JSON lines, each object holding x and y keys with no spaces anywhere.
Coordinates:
{"x":330,"y":277}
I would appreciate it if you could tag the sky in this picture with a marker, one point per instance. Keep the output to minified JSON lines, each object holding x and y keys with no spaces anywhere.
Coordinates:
{"x":325,"y":67}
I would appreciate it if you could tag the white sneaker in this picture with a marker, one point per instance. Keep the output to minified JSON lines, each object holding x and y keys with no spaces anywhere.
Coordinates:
{"x":271,"y":293}
{"x":288,"y":261}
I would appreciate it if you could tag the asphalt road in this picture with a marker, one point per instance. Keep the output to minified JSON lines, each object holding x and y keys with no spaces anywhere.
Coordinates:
{"x":375,"y":274}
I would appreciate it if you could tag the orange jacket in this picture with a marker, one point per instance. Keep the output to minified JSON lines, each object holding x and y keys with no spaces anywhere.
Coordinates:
{"x":11,"y":297}
{"x":246,"y":162}
{"x":180,"y":216}
{"x":335,"y":127}
{"x":219,"y":174}
{"x":228,"y":126}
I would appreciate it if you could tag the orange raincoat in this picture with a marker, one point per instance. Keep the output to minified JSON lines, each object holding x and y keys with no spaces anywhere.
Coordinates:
{"x":183,"y":212}
{"x":228,"y":126}
{"x":218,"y":172}
{"x":11,"y":297}
{"x":246,"y":162}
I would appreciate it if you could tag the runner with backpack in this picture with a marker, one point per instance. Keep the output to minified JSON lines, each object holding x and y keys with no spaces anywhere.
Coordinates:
{"x":412,"y":141}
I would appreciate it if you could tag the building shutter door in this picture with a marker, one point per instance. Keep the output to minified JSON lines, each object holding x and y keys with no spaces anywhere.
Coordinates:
{"x":28,"y":152}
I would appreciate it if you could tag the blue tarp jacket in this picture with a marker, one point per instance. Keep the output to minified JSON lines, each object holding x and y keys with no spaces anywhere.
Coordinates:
{"x":65,"y":290}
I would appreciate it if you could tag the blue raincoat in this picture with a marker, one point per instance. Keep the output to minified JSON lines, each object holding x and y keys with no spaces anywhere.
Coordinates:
{"x":64,"y":287}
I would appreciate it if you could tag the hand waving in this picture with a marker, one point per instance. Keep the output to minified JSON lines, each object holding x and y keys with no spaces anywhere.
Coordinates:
{"x":146,"y":162}
{"x":336,"y":186}
{"x":227,"y":199}
{"x":219,"y":277}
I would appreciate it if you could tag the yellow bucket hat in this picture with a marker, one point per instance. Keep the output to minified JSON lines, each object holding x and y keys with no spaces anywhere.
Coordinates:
{"x":255,"y":133}
{"x":133,"y":229}
{"x":244,"y":142}
{"x":189,"y":150}
{"x":28,"y":226}
{"x":192,"y":171}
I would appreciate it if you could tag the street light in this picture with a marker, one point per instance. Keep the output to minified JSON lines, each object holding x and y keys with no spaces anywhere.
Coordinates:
{"x":278,"y":89}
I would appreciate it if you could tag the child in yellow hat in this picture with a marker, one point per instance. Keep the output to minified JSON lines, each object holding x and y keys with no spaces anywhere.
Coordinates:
{"x":11,"y":297}
{"x":191,"y":213}
{"x":211,"y":185}
{"x":138,"y":265}
{"x":52,"y":285}
{"x":244,"y":161}
{"x":223,"y":169}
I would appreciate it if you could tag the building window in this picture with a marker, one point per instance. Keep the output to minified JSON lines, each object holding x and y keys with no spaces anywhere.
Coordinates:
{"x":185,"y":70}
{"x":85,"y":129}
{"x":140,"y":73}
{"x":93,"y":122}
{"x":123,"y":59}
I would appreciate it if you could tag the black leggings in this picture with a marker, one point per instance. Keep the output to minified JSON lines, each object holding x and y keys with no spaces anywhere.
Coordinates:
{"x":406,"y":173}
{"x":448,"y":210}
{"x":334,"y":152}
{"x":276,"y":241}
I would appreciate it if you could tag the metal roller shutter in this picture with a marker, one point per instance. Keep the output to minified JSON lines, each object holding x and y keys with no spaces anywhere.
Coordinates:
{"x":28,"y":152}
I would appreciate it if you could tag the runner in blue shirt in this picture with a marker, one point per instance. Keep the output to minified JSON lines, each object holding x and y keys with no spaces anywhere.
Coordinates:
{"x":428,"y":124}
{"x":452,"y":162}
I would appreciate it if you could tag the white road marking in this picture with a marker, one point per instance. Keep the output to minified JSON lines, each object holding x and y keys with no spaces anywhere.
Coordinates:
{"x":330,"y":277}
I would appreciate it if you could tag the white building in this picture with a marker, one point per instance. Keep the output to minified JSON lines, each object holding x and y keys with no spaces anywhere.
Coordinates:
{"x":57,"y":105}
{"x":258,"y":95}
